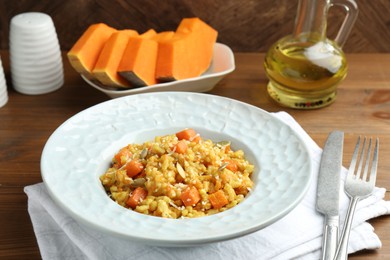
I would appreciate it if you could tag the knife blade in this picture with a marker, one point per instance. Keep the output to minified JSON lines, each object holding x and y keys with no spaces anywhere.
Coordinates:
{"x":328,"y":188}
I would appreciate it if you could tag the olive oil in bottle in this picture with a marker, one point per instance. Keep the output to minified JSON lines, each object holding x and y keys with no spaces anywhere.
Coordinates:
{"x":304,"y":74}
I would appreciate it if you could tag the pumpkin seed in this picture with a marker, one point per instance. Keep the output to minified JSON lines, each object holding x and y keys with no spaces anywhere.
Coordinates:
{"x":180,"y":170}
{"x":139,"y":182}
{"x":223,"y":166}
{"x":144,"y":153}
{"x":223,"y":143}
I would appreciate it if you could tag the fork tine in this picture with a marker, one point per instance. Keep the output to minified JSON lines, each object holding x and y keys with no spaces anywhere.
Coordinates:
{"x":352,"y":166}
{"x":367,"y":163}
{"x":374,"y":165}
{"x":361,"y":159}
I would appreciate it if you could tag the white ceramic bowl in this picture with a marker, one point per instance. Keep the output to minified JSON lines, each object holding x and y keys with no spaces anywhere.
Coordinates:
{"x":80,"y":151}
{"x":222,"y":64}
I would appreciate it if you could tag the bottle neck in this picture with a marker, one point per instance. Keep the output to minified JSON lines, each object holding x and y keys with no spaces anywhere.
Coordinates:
{"x":310,"y":21}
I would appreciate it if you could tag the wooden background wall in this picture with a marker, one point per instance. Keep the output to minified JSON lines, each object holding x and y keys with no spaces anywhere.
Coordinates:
{"x":244,"y":25}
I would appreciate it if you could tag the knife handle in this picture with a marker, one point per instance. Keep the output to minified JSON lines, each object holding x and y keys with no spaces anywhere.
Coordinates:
{"x":330,"y":238}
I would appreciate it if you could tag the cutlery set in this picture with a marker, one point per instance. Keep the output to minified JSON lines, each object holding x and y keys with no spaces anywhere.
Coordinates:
{"x":360,"y":183}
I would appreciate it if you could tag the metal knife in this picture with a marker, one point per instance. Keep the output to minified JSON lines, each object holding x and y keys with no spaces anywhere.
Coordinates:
{"x":328,"y":188}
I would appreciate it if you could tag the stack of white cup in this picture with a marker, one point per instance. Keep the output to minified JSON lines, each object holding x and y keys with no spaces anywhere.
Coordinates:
{"x":35,"y":56}
{"x":3,"y":87}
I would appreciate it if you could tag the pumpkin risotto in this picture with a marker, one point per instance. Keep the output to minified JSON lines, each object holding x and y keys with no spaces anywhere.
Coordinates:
{"x":178,"y":176}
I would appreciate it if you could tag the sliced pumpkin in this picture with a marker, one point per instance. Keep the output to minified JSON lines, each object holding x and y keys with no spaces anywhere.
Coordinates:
{"x":139,"y":62}
{"x":188,"y":53}
{"x":163,"y":36}
{"x":203,"y":38}
{"x":148,"y":34}
{"x":125,"y":59}
{"x":110,"y":57}
{"x":85,"y":52}
{"x":173,"y":59}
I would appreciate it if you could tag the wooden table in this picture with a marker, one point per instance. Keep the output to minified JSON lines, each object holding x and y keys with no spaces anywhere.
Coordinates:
{"x":26,"y":122}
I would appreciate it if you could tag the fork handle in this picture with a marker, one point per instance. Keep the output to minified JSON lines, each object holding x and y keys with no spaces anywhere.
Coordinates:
{"x":342,"y":248}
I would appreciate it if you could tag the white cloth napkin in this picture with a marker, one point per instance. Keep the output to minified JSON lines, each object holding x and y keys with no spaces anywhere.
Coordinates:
{"x":296,"y":236}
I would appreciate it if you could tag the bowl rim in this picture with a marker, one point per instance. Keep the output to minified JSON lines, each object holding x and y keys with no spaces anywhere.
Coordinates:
{"x":145,"y":237}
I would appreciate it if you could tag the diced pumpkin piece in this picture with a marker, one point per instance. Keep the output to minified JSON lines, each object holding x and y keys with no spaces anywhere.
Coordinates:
{"x":188,"y":53}
{"x":85,"y":52}
{"x":190,"y":196}
{"x":218,"y":199}
{"x":181,"y":147}
{"x":232,"y":165}
{"x":136,"y":197}
{"x":138,"y":63}
{"x":122,"y":156}
{"x":133,"y":168}
{"x":110,"y":57}
{"x":188,"y":134}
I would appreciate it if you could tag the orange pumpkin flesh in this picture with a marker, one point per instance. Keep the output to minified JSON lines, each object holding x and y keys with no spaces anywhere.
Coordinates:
{"x":124,"y":59}
{"x":188,"y":54}
{"x":85,"y":52}
{"x":138,"y":64}
{"x":148,"y":34}
{"x":139,"y":61}
{"x":107,"y":65}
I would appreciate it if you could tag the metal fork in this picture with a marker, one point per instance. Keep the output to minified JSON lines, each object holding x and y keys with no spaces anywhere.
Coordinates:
{"x":357,"y":186}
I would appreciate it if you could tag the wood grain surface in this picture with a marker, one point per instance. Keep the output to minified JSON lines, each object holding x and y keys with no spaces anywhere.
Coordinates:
{"x":245,"y":25}
{"x":26,"y":122}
